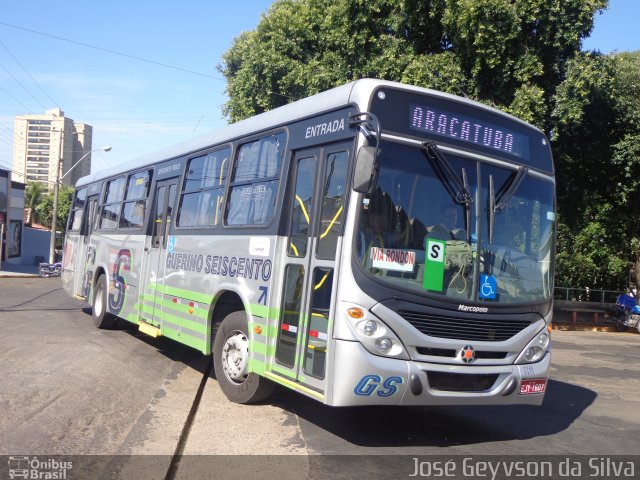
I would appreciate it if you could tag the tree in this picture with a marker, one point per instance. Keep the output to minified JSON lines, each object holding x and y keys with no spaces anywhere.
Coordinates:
{"x":509,"y":53}
{"x":45,"y":208}
{"x":32,"y":196}
{"x":522,"y":56}
{"x":597,"y":150}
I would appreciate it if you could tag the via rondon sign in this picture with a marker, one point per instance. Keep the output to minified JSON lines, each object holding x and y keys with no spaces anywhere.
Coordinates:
{"x":390,"y":259}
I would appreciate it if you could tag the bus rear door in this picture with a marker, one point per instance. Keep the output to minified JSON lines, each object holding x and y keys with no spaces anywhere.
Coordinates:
{"x":86,"y":252}
{"x":152,"y":280}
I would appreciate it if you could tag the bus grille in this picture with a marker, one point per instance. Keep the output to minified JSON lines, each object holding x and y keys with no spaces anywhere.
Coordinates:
{"x":461,"y":382}
{"x":485,"y":329}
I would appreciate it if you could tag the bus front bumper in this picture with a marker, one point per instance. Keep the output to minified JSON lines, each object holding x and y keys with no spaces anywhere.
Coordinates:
{"x":361,"y":378}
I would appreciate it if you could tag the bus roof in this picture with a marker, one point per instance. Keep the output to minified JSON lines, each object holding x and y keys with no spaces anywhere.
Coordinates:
{"x":357,"y":92}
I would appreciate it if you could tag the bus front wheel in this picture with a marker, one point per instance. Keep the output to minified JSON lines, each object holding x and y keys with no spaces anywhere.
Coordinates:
{"x":101,"y":317}
{"x":231,"y":362}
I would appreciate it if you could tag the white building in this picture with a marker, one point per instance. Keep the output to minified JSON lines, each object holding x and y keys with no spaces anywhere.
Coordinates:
{"x":42,"y":141}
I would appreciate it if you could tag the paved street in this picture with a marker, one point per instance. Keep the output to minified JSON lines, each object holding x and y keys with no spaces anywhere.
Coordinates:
{"x":69,"y":388}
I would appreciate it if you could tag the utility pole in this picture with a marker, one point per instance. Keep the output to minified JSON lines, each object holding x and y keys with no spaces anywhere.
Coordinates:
{"x":56,"y":186}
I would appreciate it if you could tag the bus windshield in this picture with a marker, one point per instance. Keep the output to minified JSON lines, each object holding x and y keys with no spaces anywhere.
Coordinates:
{"x":458,"y":228}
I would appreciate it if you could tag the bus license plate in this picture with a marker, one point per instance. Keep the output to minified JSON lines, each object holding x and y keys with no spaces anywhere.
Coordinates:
{"x":533,"y":386}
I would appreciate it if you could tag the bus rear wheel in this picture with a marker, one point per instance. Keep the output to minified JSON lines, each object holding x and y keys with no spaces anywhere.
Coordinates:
{"x":231,"y":362}
{"x":101,"y":317}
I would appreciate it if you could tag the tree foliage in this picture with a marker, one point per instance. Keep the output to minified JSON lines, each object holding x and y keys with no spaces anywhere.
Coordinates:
{"x":522,"y":56}
{"x":510,"y":53}
{"x":32,"y":197}
{"x":597,"y":150}
{"x":45,"y":208}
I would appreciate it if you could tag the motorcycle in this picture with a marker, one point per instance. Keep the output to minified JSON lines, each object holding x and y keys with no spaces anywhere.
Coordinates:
{"x":50,"y":269}
{"x":627,"y":313}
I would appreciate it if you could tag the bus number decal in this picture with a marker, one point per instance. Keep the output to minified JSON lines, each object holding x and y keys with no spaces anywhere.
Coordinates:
{"x":116,"y":297}
{"x":374,"y":383}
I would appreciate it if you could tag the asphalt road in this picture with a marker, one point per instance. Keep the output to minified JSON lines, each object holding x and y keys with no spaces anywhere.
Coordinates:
{"x":70,"y":389}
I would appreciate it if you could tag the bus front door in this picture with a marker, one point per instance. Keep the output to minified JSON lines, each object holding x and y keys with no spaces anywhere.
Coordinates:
{"x":152,"y":280}
{"x":314,"y":245}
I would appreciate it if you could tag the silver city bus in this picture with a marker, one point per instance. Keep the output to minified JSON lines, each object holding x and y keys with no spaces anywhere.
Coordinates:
{"x":376,"y":243}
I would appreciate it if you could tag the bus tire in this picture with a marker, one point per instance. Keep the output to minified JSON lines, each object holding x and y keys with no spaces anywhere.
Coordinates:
{"x":101,"y":317}
{"x":231,"y":362}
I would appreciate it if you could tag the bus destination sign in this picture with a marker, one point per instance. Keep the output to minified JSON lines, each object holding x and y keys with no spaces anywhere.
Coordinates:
{"x":468,"y":129}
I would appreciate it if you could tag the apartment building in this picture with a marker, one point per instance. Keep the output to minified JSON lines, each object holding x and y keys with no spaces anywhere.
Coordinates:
{"x":44,"y":142}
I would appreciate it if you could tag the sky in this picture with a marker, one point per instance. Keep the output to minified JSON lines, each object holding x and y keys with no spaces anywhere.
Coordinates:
{"x":61,"y":54}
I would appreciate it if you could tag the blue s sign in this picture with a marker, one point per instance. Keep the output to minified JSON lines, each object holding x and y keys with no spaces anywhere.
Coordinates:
{"x":375,"y":383}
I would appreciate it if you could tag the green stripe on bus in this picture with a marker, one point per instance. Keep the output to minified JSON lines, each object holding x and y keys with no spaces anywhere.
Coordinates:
{"x":263,"y":311}
{"x":182,"y":308}
{"x":260,"y":348}
{"x":183,"y":338}
{"x":191,"y":325}
{"x":146,"y":297}
{"x":282,"y":371}
{"x":179,"y":292}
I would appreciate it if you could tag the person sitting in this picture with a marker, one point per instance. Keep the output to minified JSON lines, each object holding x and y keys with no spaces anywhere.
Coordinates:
{"x":447,"y":228}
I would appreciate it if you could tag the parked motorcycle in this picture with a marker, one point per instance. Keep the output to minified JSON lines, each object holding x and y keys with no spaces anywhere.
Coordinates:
{"x":50,"y":269}
{"x":627,"y":313}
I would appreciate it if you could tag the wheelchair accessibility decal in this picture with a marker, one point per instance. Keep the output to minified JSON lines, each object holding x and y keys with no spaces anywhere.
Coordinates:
{"x":488,"y":286}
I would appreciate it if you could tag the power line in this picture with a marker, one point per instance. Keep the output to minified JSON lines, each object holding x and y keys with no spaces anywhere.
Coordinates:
{"x":30,"y":76}
{"x":5,"y":136}
{"x":16,"y":100}
{"x":114,"y":52}
{"x":6,"y":128}
{"x":22,"y":85}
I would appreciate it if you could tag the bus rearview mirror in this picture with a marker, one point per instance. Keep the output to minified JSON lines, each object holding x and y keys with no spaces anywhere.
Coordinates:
{"x":366,"y":169}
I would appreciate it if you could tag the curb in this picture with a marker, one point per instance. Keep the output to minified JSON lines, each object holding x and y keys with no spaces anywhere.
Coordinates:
{"x":563,"y":327}
{"x":18,"y":275}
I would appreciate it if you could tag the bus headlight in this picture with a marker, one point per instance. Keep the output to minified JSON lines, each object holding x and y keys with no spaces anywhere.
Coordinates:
{"x":536,"y":348}
{"x":369,"y":328}
{"x":375,"y":335}
{"x":384,"y":345}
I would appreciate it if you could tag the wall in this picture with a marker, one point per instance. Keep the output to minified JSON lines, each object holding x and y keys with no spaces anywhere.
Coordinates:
{"x":35,"y":243}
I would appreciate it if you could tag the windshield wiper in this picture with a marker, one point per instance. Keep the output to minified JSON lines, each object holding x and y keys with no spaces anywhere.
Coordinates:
{"x":459,"y":191}
{"x":499,"y":204}
{"x":510,"y":189}
{"x":458,"y":188}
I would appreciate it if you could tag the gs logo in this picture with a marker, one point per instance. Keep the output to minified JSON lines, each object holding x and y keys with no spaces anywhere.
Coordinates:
{"x":374,"y":383}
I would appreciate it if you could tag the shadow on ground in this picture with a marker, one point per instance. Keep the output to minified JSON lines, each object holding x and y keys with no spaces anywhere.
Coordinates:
{"x":412,"y":426}
{"x":444,"y":426}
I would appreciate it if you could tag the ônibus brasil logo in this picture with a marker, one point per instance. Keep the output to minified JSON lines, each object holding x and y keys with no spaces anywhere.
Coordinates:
{"x":33,"y":468}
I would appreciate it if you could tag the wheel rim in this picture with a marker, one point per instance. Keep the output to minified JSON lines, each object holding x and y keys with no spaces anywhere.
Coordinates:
{"x":235,"y":354}
{"x":98,"y":301}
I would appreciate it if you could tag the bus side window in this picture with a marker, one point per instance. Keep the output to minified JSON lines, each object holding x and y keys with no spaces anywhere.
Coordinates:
{"x":254,"y":182}
{"x":75,"y":218}
{"x":203,"y":189}
{"x":113,"y":196}
{"x":133,"y":209}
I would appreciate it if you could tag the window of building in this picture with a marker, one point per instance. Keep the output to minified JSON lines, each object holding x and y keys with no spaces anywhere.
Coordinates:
{"x":255,"y":179}
{"x":134,"y":206}
{"x":203,"y":190}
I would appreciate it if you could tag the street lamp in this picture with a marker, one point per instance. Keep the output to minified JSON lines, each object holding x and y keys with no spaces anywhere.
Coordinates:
{"x":54,"y":213}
